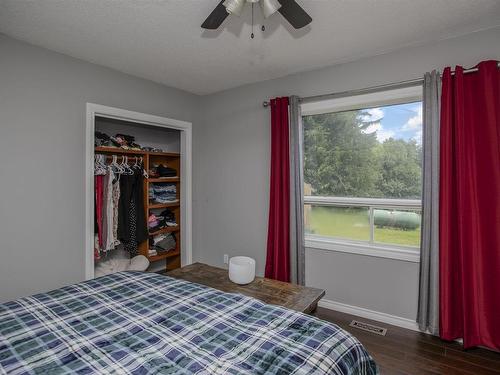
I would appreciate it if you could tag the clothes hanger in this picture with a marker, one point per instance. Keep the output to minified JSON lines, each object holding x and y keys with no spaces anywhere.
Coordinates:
{"x":123,"y":165}
{"x":102,"y":162}
{"x":115,"y":168}
{"x":128,"y":170}
{"x":141,"y":166}
{"x":96,"y":165}
{"x":99,"y":167}
{"x":109,"y":167}
{"x":114,"y":163}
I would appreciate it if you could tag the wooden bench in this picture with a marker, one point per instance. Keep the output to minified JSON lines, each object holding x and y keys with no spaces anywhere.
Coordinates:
{"x":295,"y":297}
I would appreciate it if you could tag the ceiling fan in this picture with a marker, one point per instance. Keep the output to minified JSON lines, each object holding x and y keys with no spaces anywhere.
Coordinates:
{"x":289,"y":9}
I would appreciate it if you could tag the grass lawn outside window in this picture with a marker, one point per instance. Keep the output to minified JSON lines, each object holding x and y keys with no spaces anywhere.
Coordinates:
{"x":353,"y":223}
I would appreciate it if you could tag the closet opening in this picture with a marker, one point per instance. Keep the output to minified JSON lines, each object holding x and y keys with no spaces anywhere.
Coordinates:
{"x":138,"y":192}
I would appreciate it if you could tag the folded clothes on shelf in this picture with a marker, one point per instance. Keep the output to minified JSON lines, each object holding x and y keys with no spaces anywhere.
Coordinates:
{"x":155,"y":223}
{"x":163,"y":242}
{"x":124,"y":141}
{"x":169,"y":218}
{"x":153,"y":173}
{"x":162,"y":193}
{"x":127,"y":142}
{"x":151,"y":149}
{"x":166,"y":171}
{"x":162,"y":171}
{"x":158,"y":220}
{"x":104,"y":140}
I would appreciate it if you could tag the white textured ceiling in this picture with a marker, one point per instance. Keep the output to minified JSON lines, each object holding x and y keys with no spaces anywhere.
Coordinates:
{"x":161,"y":40}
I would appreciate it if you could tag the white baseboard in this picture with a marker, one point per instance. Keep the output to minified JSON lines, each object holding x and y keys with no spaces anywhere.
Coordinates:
{"x":370,"y":314}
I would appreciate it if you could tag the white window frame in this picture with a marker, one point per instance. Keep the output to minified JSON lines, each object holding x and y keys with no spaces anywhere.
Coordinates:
{"x":368,"y":248}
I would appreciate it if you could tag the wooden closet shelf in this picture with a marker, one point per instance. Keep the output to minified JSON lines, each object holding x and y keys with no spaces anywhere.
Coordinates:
{"x":164,"y":179}
{"x":168,"y":254}
{"x":166,"y":230}
{"x":163,"y":205}
{"x":116,"y":150}
{"x":168,"y":154}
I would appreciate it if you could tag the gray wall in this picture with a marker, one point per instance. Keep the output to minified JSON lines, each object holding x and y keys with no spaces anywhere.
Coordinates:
{"x":379,"y":284}
{"x":232,"y":171}
{"x":42,"y":152}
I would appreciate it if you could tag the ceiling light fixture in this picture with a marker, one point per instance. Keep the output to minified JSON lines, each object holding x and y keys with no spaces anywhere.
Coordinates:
{"x":289,"y":9}
{"x":234,"y":6}
{"x":269,"y":7}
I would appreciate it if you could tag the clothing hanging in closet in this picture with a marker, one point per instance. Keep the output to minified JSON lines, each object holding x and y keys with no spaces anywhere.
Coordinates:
{"x":132,"y":228}
{"x":119,"y":206}
{"x":98,"y":200}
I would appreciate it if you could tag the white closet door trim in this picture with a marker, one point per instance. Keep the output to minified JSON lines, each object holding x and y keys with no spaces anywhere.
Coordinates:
{"x":185,"y":127}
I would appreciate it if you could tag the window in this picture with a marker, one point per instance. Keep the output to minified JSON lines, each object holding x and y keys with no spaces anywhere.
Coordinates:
{"x":362,"y":171}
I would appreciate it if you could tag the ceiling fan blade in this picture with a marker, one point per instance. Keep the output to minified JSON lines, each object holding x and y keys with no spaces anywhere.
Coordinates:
{"x":294,"y":13}
{"x":215,"y":19}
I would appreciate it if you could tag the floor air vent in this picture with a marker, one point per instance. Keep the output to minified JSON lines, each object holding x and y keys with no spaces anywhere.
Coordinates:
{"x":368,"y":327}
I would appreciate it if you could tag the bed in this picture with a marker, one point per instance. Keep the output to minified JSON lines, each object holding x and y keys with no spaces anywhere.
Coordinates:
{"x":145,"y":323}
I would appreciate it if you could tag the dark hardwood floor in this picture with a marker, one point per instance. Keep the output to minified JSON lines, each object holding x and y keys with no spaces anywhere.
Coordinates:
{"x":404,"y":351}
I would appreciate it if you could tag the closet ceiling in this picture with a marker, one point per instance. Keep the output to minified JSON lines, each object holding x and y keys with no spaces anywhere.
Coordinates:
{"x":161,"y":40}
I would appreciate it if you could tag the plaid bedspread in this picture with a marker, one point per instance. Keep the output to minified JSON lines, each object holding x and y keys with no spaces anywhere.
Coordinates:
{"x":144,"y":323}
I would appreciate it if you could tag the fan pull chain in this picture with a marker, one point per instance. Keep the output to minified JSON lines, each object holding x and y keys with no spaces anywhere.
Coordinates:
{"x":253,"y":35}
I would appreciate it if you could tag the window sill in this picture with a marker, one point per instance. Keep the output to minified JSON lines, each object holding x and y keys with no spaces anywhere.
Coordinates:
{"x":378,"y":251}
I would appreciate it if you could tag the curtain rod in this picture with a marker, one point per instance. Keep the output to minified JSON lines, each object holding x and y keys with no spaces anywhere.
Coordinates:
{"x":368,"y":90}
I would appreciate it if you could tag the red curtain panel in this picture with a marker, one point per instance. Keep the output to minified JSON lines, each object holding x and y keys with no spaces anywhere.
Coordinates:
{"x":470,"y":206}
{"x":278,"y":232}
